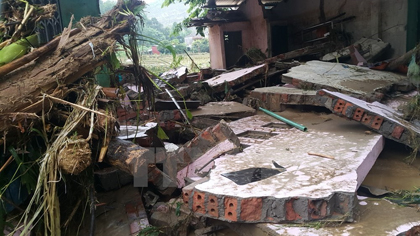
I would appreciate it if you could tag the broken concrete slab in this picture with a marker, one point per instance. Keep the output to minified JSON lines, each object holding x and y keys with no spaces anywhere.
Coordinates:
{"x":230,"y":79}
{"x":174,"y":76}
{"x":201,"y":166}
{"x":311,"y":188}
{"x":274,"y":98}
{"x":376,"y":116}
{"x":318,"y":48}
{"x":375,"y":217}
{"x":198,"y":153}
{"x":359,"y":82}
{"x":370,"y":49}
{"x":220,"y":110}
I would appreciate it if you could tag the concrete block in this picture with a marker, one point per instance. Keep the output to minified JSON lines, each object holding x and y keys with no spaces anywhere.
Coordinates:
{"x":275,"y":98}
{"x":359,"y":82}
{"x":274,"y":210}
{"x":232,"y":110}
{"x":376,"y":116}
{"x":218,"y":83}
{"x":311,"y":188}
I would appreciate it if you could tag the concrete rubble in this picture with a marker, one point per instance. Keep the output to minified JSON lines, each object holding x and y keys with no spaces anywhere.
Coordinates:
{"x":359,"y":82}
{"x":311,"y":188}
{"x":202,"y":159}
{"x":275,"y":98}
{"x":375,"y":116}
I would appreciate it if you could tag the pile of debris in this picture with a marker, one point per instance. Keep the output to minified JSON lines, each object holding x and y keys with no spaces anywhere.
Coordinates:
{"x":196,"y":144}
{"x":242,"y":166}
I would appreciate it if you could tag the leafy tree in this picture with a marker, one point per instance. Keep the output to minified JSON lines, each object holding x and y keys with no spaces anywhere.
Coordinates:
{"x":195,"y":10}
{"x":201,"y":45}
{"x":179,"y":48}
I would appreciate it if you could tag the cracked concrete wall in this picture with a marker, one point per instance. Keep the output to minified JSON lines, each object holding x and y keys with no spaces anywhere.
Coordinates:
{"x":384,"y":19}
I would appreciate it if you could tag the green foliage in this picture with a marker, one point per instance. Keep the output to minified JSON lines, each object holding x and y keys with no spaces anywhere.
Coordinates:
{"x":178,"y":208}
{"x":201,"y":45}
{"x":161,"y":134}
{"x":150,"y":231}
{"x":195,"y":10}
{"x":405,"y":197}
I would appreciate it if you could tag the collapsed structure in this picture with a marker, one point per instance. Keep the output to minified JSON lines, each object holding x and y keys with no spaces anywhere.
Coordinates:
{"x":204,"y":136}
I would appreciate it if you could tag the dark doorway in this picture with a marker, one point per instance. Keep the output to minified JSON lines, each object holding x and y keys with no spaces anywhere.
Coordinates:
{"x":279,"y":40}
{"x":233,"y":47}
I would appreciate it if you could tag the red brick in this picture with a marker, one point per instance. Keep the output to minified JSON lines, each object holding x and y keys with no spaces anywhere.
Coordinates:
{"x":213,"y":206}
{"x":263,"y":97}
{"x":198,"y":202}
{"x":339,"y":105}
{"x":317,"y":209}
{"x":397,"y":132}
{"x":251,"y":209}
{"x":274,"y":102}
{"x":321,"y":93}
{"x":285,"y":98}
{"x":186,"y":196}
{"x":206,"y":134}
{"x":358,"y":114}
{"x":296,"y":82}
{"x":291,"y":215}
{"x":366,"y":119}
{"x":177,"y":115}
{"x":231,"y":205}
{"x":377,"y":122}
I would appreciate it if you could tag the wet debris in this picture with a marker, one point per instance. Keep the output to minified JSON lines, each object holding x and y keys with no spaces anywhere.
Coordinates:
{"x":171,"y":146}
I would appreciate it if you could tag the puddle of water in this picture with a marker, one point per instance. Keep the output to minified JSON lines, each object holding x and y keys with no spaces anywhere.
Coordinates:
{"x":391,"y":171}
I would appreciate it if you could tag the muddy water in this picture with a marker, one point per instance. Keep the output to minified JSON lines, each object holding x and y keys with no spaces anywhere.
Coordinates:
{"x":391,"y":170}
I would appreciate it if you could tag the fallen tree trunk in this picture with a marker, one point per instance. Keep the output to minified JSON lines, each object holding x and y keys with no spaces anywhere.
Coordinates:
{"x":83,"y":52}
{"x":140,"y":163}
{"x":33,"y":55}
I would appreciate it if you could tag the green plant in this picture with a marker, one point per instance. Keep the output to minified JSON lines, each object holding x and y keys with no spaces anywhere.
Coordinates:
{"x":150,"y":231}
{"x":405,"y":197}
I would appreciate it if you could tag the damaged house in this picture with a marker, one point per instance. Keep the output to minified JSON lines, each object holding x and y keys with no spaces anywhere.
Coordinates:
{"x":307,"y":122}
{"x":276,"y":26}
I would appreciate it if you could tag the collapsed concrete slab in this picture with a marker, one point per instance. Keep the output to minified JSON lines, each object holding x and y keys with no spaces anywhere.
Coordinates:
{"x":370,"y":49}
{"x":220,"y":110}
{"x":274,"y":98}
{"x":310,"y":188}
{"x":219,"y":83}
{"x":376,"y":116}
{"x":197,"y":155}
{"x":377,"y":217}
{"x":359,"y":82}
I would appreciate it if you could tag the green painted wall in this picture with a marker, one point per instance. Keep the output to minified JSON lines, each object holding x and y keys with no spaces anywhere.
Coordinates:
{"x":79,"y":8}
